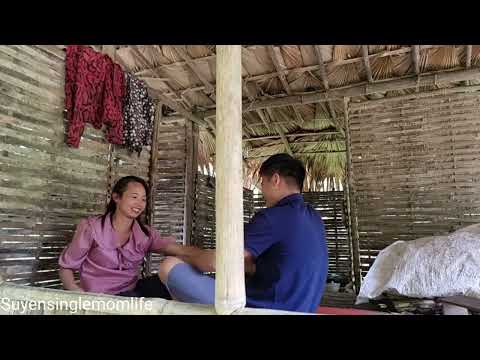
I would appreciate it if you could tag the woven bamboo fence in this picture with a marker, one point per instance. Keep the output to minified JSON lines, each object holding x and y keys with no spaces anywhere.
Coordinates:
{"x":203,"y":231}
{"x":46,"y":187}
{"x":168,"y":193}
{"x":414,"y":167}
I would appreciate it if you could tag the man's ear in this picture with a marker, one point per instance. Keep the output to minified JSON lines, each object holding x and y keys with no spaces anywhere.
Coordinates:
{"x":276,"y":179}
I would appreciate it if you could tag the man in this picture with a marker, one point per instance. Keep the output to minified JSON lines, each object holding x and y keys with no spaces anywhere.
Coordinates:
{"x":286,"y":260}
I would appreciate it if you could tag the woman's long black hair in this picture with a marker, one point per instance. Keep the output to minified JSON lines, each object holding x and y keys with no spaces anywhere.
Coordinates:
{"x":120,"y":187}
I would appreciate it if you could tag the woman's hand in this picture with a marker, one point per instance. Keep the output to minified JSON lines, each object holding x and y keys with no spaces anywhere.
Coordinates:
{"x":68,"y":280}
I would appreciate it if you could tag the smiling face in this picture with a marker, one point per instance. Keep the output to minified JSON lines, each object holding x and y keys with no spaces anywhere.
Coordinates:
{"x":133,"y":200}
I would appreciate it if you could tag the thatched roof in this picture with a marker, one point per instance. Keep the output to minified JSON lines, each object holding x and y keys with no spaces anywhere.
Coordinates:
{"x":183,"y":77}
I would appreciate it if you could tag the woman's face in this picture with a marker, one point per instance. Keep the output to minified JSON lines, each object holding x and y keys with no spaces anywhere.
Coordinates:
{"x":133,"y":201}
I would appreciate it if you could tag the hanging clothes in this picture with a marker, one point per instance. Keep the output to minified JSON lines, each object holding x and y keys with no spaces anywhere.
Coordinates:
{"x":138,"y":114}
{"x":94,"y":93}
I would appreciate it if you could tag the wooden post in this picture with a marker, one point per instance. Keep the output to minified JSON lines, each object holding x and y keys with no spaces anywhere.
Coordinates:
{"x":230,"y":273}
{"x":351,"y":204}
{"x":153,"y":178}
{"x":191,"y":132}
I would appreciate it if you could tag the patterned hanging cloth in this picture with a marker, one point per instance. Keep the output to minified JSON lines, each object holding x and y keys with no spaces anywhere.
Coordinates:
{"x":94,"y":93}
{"x":138,"y":114}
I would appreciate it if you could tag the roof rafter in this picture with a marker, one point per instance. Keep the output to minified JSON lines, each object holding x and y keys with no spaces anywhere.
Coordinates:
{"x":279,"y":63}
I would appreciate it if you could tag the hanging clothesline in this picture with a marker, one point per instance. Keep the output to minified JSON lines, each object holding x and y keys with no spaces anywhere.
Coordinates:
{"x":99,"y":92}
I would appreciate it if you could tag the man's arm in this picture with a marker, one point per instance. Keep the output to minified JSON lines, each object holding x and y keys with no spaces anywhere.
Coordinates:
{"x":204,"y":260}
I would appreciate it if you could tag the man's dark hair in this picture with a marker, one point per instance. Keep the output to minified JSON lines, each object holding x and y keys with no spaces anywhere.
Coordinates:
{"x":286,"y":166}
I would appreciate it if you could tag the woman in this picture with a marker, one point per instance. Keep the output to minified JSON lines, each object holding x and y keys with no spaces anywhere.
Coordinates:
{"x":108,"y":250}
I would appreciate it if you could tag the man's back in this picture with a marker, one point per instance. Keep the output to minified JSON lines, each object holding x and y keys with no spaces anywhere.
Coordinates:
{"x":288,"y":242}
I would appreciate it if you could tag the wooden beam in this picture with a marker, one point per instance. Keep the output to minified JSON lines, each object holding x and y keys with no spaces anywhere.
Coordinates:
{"x":416,"y":58}
{"x":330,"y":64}
{"x":319,"y":133}
{"x":362,"y":89}
{"x":301,"y":142}
{"x":323,"y":73}
{"x":305,"y":123}
{"x":183,"y":62}
{"x":230,"y":269}
{"x":275,"y":55}
{"x":366,"y":63}
{"x":252,"y":94}
{"x":279,"y":63}
{"x":468,"y":60}
{"x":281,"y":133}
{"x":444,"y":91}
{"x":299,"y":153}
{"x":263,"y":77}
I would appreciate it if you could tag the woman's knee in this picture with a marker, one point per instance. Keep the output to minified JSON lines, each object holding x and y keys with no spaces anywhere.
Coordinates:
{"x":166,"y":266}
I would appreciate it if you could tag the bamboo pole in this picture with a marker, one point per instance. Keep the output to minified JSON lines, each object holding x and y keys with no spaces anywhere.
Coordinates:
{"x":153,"y":176}
{"x":351,"y":204}
{"x":230,"y":273}
{"x":44,"y":301}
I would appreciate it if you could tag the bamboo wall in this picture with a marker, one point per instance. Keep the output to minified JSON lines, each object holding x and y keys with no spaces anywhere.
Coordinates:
{"x":169,"y":178}
{"x":46,"y":187}
{"x":203,"y":230}
{"x":415,"y":166}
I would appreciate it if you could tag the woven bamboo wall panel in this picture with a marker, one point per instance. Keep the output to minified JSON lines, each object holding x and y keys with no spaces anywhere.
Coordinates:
{"x":169,"y":188}
{"x":45,"y":186}
{"x":415,"y":166}
{"x":203,"y":230}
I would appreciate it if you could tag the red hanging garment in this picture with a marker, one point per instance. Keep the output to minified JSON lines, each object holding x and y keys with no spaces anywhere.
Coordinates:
{"x":94,"y":92}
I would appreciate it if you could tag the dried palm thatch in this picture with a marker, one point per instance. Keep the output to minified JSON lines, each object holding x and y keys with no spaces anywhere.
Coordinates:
{"x":299,"y":72}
